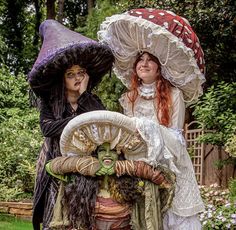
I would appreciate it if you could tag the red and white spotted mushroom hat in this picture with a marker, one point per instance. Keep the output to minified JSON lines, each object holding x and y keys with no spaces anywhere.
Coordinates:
{"x":162,"y":33}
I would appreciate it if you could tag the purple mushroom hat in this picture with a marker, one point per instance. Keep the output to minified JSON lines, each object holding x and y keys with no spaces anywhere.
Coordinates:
{"x":61,"y":48}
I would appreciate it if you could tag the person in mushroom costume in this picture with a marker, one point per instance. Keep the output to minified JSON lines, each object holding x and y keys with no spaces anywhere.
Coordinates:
{"x":68,"y":67}
{"x":104,"y":182}
{"x":159,"y":59}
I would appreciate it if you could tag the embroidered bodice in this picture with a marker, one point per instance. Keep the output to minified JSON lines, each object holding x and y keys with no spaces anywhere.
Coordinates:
{"x":146,"y":105}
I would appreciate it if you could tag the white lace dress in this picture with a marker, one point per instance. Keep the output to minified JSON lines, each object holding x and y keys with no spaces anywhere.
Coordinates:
{"x":167,"y":146}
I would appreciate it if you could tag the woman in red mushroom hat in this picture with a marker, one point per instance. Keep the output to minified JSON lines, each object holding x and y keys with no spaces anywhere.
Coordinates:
{"x":68,"y":67}
{"x":159,"y":59}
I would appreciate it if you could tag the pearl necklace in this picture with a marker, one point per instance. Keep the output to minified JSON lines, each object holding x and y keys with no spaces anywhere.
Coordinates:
{"x":147,"y":91}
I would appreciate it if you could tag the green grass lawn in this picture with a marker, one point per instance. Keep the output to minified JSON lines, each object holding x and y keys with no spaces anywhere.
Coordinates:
{"x":12,"y":223}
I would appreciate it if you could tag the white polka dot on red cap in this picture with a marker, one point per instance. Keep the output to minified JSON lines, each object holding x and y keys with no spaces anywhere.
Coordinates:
{"x":189,"y":31}
{"x":189,"y":40}
{"x":201,"y":62}
{"x":166,"y":24}
{"x":177,"y":22}
{"x":170,"y":12}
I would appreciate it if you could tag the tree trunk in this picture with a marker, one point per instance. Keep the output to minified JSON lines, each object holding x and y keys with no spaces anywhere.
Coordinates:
{"x":50,"y":4}
{"x":90,"y":4}
{"x":61,"y":10}
{"x":38,"y":17}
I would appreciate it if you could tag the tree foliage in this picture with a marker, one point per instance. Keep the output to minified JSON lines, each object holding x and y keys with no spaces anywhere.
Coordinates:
{"x":75,"y":12}
{"x":17,"y":32}
{"x":110,"y":89}
{"x":103,"y":9}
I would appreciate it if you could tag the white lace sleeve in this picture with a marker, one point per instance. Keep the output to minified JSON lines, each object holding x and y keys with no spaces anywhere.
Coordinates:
{"x":150,"y":132}
{"x":163,"y":144}
{"x":178,"y":112}
{"x":126,"y":105}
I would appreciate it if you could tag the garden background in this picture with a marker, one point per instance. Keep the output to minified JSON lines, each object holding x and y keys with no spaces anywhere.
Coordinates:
{"x":20,"y":137}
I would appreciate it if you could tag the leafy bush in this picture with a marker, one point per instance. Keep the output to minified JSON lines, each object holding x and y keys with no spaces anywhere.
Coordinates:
{"x":232,"y":190}
{"x":12,"y":194}
{"x":20,"y":137}
{"x":217,"y":111}
{"x":109,"y":91}
{"x":13,"y":92}
{"x":231,"y":146}
{"x":3,"y":47}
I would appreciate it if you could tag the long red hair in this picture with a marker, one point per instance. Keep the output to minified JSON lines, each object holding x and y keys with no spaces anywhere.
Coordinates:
{"x":163,"y":93}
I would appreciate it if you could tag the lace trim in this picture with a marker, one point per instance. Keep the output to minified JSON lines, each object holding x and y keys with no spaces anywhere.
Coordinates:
{"x":147,"y":91}
{"x":177,"y":222}
{"x":183,"y":83}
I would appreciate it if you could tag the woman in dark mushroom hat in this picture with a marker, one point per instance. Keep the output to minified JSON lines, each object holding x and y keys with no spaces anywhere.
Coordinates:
{"x":68,"y":67}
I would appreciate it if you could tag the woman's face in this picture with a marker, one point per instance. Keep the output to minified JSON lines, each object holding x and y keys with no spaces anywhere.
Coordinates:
{"x":106,"y":156}
{"x":147,"y":69}
{"x":73,"y":77}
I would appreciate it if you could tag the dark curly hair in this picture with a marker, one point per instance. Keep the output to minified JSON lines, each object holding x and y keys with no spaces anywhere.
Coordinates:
{"x":81,"y":193}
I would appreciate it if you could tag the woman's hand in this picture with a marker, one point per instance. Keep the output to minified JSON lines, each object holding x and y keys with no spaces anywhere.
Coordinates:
{"x":84,"y":83}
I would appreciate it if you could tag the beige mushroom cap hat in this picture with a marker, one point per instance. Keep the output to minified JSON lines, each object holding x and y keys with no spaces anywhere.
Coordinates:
{"x":84,"y":133}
